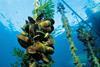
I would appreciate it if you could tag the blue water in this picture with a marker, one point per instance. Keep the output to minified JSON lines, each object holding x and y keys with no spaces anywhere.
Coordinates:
{"x":12,"y":16}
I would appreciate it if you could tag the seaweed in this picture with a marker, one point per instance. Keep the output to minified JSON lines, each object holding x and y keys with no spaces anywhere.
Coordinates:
{"x":18,"y":53}
{"x":47,"y":9}
{"x":16,"y":64}
{"x":21,"y":57}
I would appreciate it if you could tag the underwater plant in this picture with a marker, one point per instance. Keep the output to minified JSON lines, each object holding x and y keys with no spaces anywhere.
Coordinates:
{"x":18,"y":52}
{"x":16,"y":64}
{"x":46,"y":8}
{"x":20,"y":57}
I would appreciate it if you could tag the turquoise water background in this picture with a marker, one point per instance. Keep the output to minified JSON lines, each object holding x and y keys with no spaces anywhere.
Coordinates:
{"x":13,"y":13}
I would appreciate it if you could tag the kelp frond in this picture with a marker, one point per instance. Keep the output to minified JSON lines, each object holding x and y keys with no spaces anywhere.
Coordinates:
{"x":16,"y":64}
{"x":47,"y":8}
{"x":18,"y":53}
